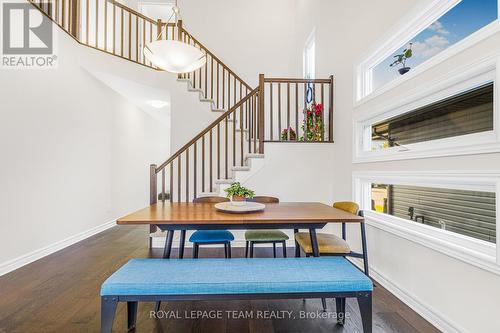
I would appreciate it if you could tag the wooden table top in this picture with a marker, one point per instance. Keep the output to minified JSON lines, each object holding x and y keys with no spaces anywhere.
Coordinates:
{"x":205,"y":213}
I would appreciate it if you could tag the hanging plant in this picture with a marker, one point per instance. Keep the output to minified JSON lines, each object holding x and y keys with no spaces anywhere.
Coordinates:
{"x":313,"y":123}
{"x":400,"y":59}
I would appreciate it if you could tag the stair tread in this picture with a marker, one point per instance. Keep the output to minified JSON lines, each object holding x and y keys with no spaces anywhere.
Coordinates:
{"x":224,"y":181}
{"x":240,"y":168}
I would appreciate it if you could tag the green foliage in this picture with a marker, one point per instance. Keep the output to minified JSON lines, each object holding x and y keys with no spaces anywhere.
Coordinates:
{"x":403,"y":57}
{"x":237,"y":190}
{"x":313,"y":123}
{"x":284,"y":134}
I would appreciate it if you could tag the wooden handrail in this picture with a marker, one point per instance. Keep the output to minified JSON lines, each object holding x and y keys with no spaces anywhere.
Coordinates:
{"x":293,"y":80}
{"x":130,"y":10}
{"x":206,"y":130}
{"x":218,"y":60}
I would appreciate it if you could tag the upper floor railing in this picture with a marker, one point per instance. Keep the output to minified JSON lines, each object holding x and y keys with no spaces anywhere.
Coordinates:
{"x":297,"y":110}
{"x":116,"y":29}
{"x":278,"y":110}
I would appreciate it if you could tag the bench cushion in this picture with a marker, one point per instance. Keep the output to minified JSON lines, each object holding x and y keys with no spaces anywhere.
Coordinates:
{"x":235,"y":276}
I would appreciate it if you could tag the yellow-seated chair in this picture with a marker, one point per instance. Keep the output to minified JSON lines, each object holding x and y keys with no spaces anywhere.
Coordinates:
{"x":332,"y":245}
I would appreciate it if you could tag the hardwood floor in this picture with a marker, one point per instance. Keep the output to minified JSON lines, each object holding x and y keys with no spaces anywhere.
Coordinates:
{"x":60,"y":293}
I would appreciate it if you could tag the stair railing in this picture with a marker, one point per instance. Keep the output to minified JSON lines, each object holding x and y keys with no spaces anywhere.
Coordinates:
{"x":302,"y":105}
{"x":215,"y":80}
{"x":211,"y":155}
{"x":116,"y":29}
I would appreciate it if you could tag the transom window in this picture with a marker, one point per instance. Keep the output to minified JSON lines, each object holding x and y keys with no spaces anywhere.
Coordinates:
{"x":427,"y":33}
{"x":466,"y":113}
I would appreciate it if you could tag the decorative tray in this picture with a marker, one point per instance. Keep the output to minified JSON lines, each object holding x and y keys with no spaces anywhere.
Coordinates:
{"x":228,"y":207}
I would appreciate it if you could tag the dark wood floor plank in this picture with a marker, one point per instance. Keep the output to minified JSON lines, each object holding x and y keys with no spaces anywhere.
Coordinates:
{"x":60,"y":293}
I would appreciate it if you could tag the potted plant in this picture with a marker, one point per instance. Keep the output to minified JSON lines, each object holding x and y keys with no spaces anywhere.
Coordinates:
{"x":284,"y":134}
{"x":239,"y":194}
{"x":401,"y":60}
{"x":313,"y":124}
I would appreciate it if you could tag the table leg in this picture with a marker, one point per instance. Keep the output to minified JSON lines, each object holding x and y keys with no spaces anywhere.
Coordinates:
{"x":314,"y":242}
{"x":181,"y":244}
{"x":166,"y":255}
{"x":297,"y":248}
{"x":168,"y":244}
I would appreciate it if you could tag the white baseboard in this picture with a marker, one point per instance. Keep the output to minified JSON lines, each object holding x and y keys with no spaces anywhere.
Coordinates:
{"x":428,"y":313}
{"x":25,"y":259}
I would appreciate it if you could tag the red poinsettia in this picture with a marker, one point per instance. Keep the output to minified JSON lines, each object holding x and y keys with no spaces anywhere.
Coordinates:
{"x":318,"y":108}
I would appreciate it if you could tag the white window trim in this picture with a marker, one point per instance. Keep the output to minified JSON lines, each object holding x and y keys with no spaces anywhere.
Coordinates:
{"x":410,"y":26}
{"x":470,"y":250}
{"x":462,"y":79}
{"x":311,"y":40}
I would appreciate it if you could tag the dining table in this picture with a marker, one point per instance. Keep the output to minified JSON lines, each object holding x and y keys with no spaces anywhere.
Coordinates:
{"x":183,"y":216}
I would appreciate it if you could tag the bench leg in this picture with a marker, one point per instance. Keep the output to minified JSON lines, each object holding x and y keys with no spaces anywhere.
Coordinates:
{"x":182,"y":242}
{"x":297,"y":248}
{"x":274,"y":249}
{"x":229,"y":250}
{"x":246,"y":249}
{"x":131,"y":315}
{"x":251,"y":249}
{"x":108,"y":309}
{"x":365,"y":307}
{"x":340,"y":305}
{"x":225,"y":250}
{"x":284,"y":248}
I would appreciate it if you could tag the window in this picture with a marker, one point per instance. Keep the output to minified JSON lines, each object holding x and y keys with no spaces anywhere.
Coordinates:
{"x":156,"y":11}
{"x":453,"y":212}
{"x":452,"y":115}
{"x":469,"y":213}
{"x":448,"y":25}
{"x":461,"y":21}
{"x":310,"y":57}
{"x":465,"y":113}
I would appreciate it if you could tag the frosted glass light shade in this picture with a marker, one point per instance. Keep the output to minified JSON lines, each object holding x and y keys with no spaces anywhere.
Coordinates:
{"x":174,"y":56}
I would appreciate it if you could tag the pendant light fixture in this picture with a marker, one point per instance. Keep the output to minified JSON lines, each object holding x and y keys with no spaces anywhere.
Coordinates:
{"x":174,"y":56}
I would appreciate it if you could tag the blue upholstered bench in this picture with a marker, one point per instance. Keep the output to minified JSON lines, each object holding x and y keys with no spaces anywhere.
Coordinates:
{"x":152,"y":280}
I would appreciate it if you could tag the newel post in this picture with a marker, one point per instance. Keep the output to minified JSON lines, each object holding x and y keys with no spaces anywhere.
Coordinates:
{"x":261,"y":113}
{"x":330,"y":111}
{"x":153,"y":195}
{"x":179,"y":30}
{"x":159,"y":27}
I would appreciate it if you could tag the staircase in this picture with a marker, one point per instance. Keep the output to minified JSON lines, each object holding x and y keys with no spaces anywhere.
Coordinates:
{"x":231,"y":148}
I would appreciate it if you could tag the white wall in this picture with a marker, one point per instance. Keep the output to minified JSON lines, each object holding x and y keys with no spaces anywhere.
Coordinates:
{"x":433,"y":283}
{"x":74,"y":153}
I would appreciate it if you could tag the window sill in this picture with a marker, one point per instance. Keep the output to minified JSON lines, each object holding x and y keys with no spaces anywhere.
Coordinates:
{"x":472,"y":144}
{"x":471,"y":251}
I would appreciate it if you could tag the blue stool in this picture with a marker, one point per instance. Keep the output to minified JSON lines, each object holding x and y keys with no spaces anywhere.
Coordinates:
{"x":206,"y":237}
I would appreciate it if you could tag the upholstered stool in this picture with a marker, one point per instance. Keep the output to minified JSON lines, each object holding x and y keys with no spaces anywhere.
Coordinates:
{"x":265,"y":236}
